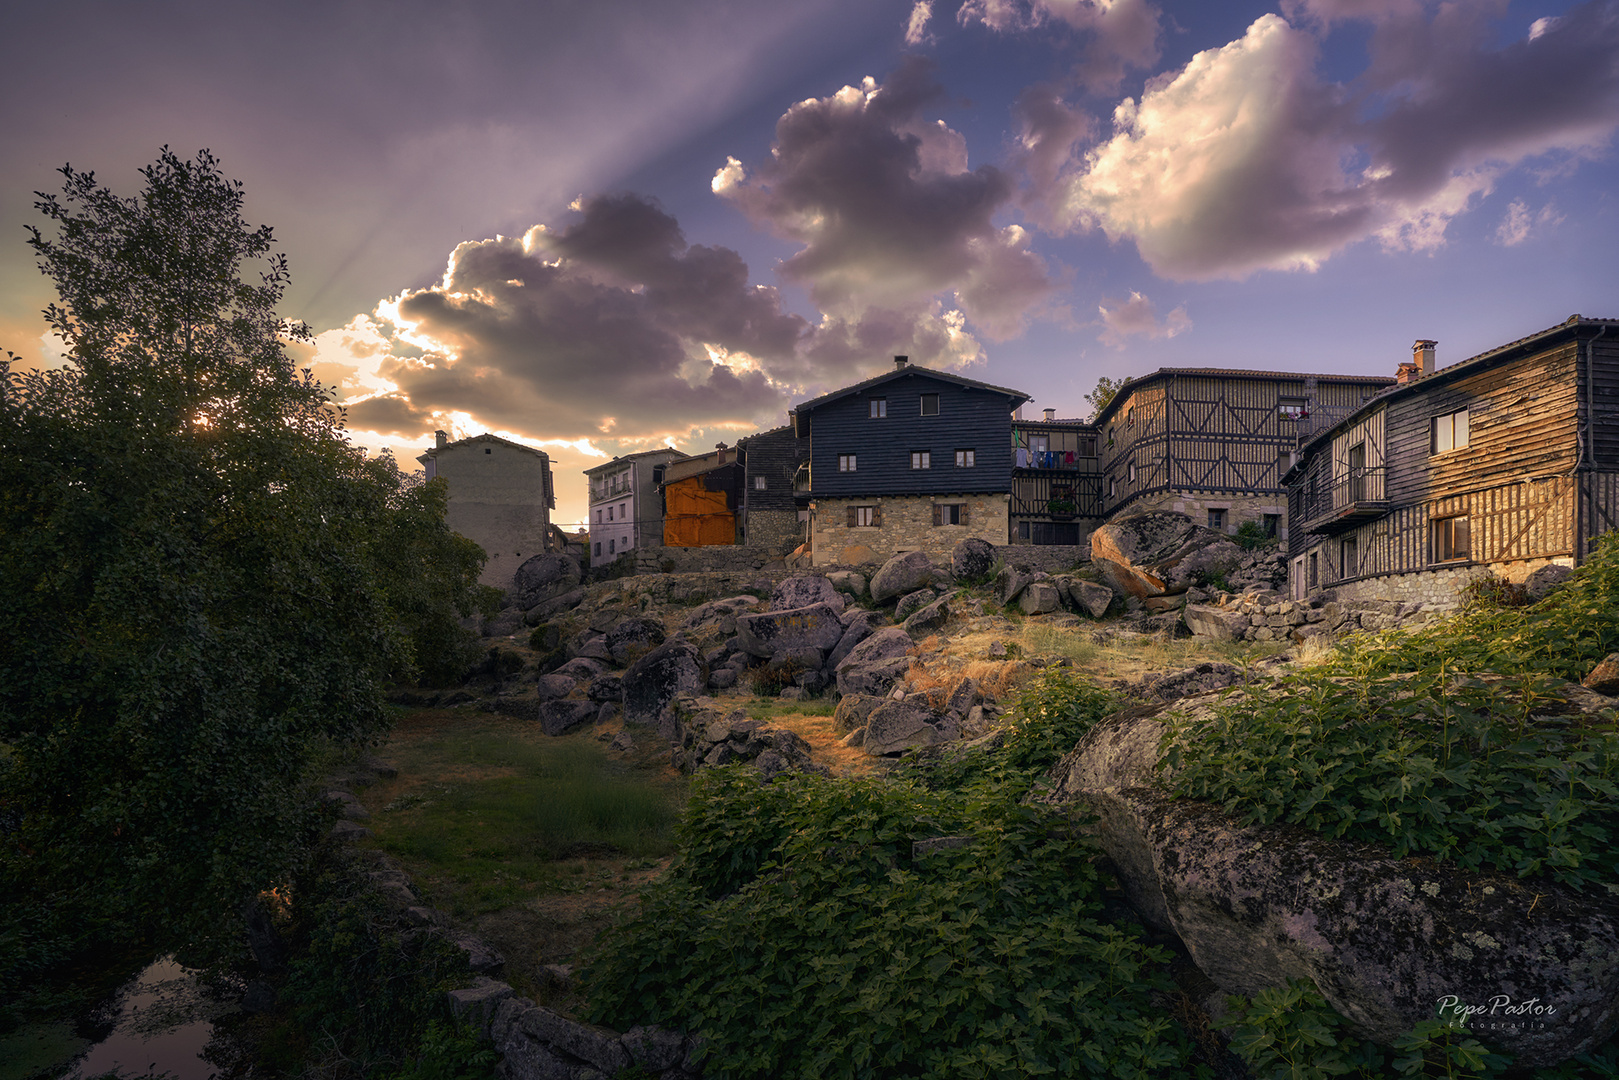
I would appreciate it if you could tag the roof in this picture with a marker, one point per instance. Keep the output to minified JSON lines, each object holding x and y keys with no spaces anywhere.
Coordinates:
{"x":1056,"y":422}
{"x":1018,"y":396}
{"x":1569,"y":327}
{"x":762,"y":434}
{"x":623,"y":458}
{"x":697,"y":466}
{"x":435,"y":451}
{"x":1234,"y":373}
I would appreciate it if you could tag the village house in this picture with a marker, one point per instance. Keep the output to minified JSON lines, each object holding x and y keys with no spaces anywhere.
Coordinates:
{"x":1056,"y":481}
{"x":774,"y":513}
{"x":1498,"y":465}
{"x":701,"y":499}
{"x":501,"y":497}
{"x":626,"y":508}
{"x":1214,"y":444}
{"x":913,"y":459}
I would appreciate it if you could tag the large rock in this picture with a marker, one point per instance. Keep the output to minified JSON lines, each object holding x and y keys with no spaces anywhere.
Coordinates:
{"x":554,"y":686}
{"x":1546,"y":579}
{"x":815,"y":627}
{"x":896,"y":726}
{"x":1384,"y":939}
{"x":1039,"y":598}
{"x":633,"y":638}
{"x":558,"y":717}
{"x":1215,"y":623}
{"x":853,"y":711}
{"x":856,"y":555}
{"x":900,"y":575}
{"x":1089,"y":597}
{"x":972,"y":559}
{"x":1202,"y":565}
{"x":1010,"y":583}
{"x":852,"y":582}
{"x":911,"y":603}
{"x":858,"y":627}
{"x":1138,"y":554}
{"x":802,"y":591}
{"x":673,"y":668}
{"x":546,"y":609}
{"x":876,"y":664}
{"x":542,"y":578}
{"x":929,"y":619}
{"x":719,"y":614}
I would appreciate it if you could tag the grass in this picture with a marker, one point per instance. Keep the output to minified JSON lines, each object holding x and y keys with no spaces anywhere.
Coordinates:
{"x":1130,"y":658}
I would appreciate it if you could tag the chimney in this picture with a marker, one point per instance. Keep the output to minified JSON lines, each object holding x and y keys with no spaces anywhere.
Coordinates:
{"x":1051,"y":414}
{"x":439,"y":439}
{"x":1422,"y":355}
{"x":901,"y":361}
{"x":1408,"y":370}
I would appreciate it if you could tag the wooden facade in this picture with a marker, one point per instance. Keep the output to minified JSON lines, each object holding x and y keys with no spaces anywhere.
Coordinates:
{"x":701,"y":496}
{"x":771,"y":506}
{"x":1215,"y":436}
{"x":1056,"y":482}
{"x":1499,"y":464}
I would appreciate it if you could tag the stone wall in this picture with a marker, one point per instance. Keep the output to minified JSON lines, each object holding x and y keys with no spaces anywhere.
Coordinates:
{"x":774,"y":531}
{"x":1438,"y":588}
{"x":722,"y":557}
{"x":1052,"y":558}
{"x":1239,"y":508}
{"x":907,"y":525}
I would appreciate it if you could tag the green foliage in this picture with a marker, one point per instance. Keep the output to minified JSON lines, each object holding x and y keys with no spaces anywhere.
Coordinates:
{"x":802,"y":938}
{"x":1250,"y":536}
{"x":448,"y":1052}
{"x":208,"y":582}
{"x":1483,"y":773}
{"x":1106,"y":390}
{"x":1291,"y":1033}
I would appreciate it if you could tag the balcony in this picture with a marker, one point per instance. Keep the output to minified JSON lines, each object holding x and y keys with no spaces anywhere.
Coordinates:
{"x":1354,"y":498}
{"x":1064,"y":460}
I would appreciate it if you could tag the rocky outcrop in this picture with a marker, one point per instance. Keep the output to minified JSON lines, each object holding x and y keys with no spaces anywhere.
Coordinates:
{"x":1010,"y":583}
{"x":1384,"y":939}
{"x":1214,"y":623}
{"x":655,"y":680}
{"x":874,"y":665}
{"x":633,"y":638}
{"x":848,"y":581}
{"x":802,"y":591}
{"x":544,"y":577}
{"x":709,"y":738}
{"x":1088,"y":596}
{"x":929,"y":619}
{"x":561,"y":717}
{"x":900,"y":575}
{"x":719,"y":615}
{"x":911,"y":603}
{"x":770,"y":632}
{"x":1139,"y":553}
{"x":896,"y":726}
{"x":858,"y":626}
{"x":1039,"y":598}
{"x":972,"y":559}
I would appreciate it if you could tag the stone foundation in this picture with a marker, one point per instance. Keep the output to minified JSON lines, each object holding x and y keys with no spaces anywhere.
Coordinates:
{"x":1240,"y":508}
{"x":723,"y":557}
{"x":1440,"y":587}
{"x":774,"y":531}
{"x":907,"y":525}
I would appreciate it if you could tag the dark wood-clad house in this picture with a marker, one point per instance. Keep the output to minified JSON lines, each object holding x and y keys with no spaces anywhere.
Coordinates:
{"x":1056,"y":481}
{"x":773,"y":513}
{"x":1214,"y":444}
{"x":1500,"y":464}
{"x":913,"y":459}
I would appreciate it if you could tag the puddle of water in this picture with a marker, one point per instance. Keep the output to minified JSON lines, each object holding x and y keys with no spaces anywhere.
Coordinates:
{"x":160,"y":1021}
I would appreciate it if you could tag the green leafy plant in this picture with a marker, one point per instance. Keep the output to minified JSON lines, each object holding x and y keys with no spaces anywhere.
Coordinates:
{"x":1291,"y":1033}
{"x":1250,"y":536}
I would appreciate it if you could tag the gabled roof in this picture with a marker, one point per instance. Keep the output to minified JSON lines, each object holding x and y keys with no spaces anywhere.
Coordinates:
{"x":622,"y":459}
{"x":1569,"y":327}
{"x":435,"y":451}
{"x":1232,"y":373}
{"x":1018,"y":397}
{"x":697,"y":466}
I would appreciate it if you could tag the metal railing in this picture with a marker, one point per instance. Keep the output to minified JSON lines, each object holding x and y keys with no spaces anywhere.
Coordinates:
{"x":1350,"y":495}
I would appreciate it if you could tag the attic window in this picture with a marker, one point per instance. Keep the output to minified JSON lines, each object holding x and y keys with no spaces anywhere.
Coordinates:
{"x":930,"y":404}
{"x":488,"y":450}
{"x":879,"y":408}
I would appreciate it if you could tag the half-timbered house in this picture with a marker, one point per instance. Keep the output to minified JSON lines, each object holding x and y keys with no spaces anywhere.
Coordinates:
{"x":1500,"y":464}
{"x":771,"y":515}
{"x":913,"y":459}
{"x":1214,"y":444}
{"x":1056,"y":481}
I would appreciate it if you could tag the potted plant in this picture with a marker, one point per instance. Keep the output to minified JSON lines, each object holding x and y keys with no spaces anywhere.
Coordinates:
{"x":1061,"y":507}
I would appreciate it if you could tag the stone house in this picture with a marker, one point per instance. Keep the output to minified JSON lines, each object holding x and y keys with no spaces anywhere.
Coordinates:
{"x":913,"y":459}
{"x":1498,"y":465}
{"x":626,"y":507}
{"x":501,"y":497}
{"x":1214,"y":443}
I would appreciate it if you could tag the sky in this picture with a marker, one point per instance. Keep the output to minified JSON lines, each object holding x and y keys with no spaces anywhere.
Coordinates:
{"x":606,"y":226}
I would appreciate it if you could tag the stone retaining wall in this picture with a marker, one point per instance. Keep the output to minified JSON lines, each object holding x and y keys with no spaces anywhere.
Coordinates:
{"x":1441,"y":587}
{"x":1052,"y":558}
{"x":684,"y":560}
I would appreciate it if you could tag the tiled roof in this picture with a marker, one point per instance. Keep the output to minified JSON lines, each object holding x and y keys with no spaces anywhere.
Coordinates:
{"x":434,"y":451}
{"x":1235,"y":373}
{"x":901,"y":372}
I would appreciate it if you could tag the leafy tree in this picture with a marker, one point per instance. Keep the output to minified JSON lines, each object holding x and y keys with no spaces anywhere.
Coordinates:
{"x":206,"y":585}
{"x":1104,"y":393}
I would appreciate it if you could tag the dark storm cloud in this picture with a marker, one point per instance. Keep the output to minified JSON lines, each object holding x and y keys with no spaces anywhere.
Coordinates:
{"x":1117,"y":34}
{"x":1247,"y":159}
{"x":889,"y":215}
{"x":605,"y":327}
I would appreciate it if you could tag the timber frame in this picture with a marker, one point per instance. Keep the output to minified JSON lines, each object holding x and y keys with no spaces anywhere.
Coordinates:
{"x":1497,"y":465}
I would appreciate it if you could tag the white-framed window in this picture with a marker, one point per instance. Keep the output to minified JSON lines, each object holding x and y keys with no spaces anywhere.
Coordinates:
{"x":1451,"y":538}
{"x":758,"y":483}
{"x":878,"y":408}
{"x":930,"y":404}
{"x":949,"y":513}
{"x":1293,"y":408}
{"x":1039,"y":444}
{"x":965,"y":459}
{"x":846,"y":463}
{"x":1132,"y":472}
{"x":921,"y":459}
{"x":1112,"y":487}
{"x":1449,"y":432}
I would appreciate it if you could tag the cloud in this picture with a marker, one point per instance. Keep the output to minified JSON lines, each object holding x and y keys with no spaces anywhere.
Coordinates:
{"x":1121,"y":34}
{"x":1049,"y":133}
{"x":1136,"y":317}
{"x":1520,"y":221}
{"x":614,"y":323}
{"x":1246,"y":159}
{"x":916,"y":28}
{"x":888,"y":215}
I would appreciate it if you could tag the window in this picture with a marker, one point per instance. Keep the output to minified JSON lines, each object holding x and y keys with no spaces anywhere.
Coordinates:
{"x":657,"y":474}
{"x":1293,"y":408}
{"x":598,"y":547}
{"x":930,"y":404}
{"x":1272,"y":525}
{"x":758,"y":483}
{"x":1217,"y":520}
{"x":623,"y":511}
{"x":1284,"y":462}
{"x":865,"y":517}
{"x":1132,"y":472}
{"x":1023,"y":530}
{"x":1039,"y":444}
{"x":1110,"y":435}
{"x":598,"y":519}
{"x":878,"y":407}
{"x":1449,"y":432}
{"x":609,"y":513}
{"x":845,"y":463}
{"x":1349,"y":558}
{"x":610,"y":544}
{"x":1130,"y":417}
{"x":921,"y":459}
{"x":1087,"y":446}
{"x":1315,"y":576}
{"x":1111,"y":487}
{"x":949,"y":513}
{"x":964,"y":459}
{"x":1452,"y":538}
{"x":488,"y":450}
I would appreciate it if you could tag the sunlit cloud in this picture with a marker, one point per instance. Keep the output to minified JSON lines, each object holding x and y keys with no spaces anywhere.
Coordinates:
{"x":916,"y":27}
{"x":1117,"y":34}
{"x":1137,"y":317}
